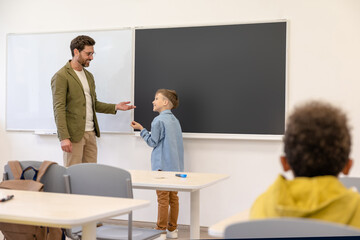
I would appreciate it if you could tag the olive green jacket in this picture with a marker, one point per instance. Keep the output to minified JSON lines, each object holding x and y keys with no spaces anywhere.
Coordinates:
{"x":70,"y":106}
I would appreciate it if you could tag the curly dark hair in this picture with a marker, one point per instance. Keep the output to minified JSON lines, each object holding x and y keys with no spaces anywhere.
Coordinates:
{"x":317,"y":140}
{"x":80,"y":42}
{"x":171,"y":95}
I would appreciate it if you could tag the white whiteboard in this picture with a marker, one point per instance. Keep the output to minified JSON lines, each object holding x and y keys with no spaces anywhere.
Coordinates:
{"x":32,"y":60}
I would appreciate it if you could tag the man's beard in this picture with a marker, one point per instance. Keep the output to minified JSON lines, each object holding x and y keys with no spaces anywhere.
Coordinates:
{"x":83,"y":62}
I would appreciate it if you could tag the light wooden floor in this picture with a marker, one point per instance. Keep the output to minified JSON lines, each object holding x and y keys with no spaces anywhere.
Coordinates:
{"x":184,"y":230}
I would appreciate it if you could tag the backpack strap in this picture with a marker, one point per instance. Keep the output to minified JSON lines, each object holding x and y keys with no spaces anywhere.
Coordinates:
{"x":42,"y":169}
{"x":16,"y":169}
{"x":28,"y":168}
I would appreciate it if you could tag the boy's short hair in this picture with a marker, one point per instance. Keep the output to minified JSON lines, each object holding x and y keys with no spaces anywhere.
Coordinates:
{"x":317,"y":140}
{"x":171,"y":95}
{"x":80,"y":42}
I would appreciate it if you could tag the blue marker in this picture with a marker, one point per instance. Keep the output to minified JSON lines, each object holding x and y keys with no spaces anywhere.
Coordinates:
{"x":181,"y":175}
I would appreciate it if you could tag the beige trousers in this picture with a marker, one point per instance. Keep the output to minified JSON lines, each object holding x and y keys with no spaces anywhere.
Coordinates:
{"x":84,"y":151}
{"x":167,"y":218}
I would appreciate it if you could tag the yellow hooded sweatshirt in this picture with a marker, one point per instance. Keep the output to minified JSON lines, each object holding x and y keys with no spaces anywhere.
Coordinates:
{"x":323,"y":198}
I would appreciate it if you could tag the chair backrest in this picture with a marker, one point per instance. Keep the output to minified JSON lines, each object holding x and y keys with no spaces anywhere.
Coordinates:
{"x":99,"y":180}
{"x":53,"y":179}
{"x":351,"y":182}
{"x":288,"y":227}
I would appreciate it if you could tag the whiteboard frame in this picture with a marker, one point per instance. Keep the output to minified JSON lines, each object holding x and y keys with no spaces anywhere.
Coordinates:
{"x":79,"y":32}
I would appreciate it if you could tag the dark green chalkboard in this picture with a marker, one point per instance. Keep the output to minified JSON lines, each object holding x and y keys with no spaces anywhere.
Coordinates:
{"x":229,"y":78}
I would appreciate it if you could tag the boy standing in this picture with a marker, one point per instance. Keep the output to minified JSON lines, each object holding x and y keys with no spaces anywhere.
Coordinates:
{"x":317,"y":144}
{"x":167,"y":155}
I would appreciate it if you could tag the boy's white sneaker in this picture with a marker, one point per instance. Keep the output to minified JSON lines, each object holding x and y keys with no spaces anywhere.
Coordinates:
{"x":161,"y":237}
{"x":173,"y":234}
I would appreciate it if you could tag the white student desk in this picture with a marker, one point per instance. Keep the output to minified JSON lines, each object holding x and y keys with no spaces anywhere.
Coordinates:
{"x":63,"y":210}
{"x":162,"y":180}
{"x":218,"y":229}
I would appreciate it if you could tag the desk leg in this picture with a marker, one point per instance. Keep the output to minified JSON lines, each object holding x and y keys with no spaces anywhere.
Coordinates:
{"x":195,"y":215}
{"x":89,"y":231}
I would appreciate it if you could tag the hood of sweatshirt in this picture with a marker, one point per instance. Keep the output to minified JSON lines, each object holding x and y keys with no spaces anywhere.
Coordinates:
{"x":322,"y":197}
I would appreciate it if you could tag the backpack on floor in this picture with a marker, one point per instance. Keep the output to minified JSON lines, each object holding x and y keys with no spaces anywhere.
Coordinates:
{"x":12,"y":231}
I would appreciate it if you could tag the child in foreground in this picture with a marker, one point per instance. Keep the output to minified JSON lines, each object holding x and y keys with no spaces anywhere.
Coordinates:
{"x":317,"y":145}
{"x":167,"y":155}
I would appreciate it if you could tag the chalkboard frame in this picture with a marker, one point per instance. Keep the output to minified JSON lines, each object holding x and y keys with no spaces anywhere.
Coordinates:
{"x":217,"y":135}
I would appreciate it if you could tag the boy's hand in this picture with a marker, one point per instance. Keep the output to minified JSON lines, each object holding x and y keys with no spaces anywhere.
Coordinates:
{"x":136,"y":125}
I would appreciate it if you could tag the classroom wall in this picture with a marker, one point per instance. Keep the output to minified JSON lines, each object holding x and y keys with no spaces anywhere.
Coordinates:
{"x":323,"y":63}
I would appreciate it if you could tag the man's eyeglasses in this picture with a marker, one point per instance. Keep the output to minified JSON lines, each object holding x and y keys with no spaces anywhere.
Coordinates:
{"x":89,"y":54}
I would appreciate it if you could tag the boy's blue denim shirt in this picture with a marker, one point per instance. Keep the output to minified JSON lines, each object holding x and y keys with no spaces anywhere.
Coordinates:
{"x":166,"y":139}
